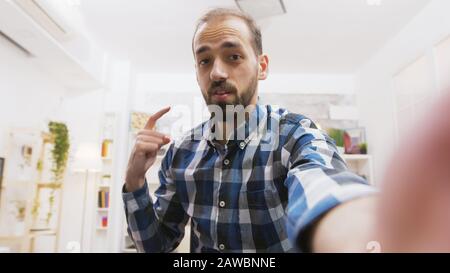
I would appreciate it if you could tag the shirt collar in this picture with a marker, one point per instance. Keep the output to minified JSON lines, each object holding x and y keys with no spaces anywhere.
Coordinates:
{"x":257,"y":116}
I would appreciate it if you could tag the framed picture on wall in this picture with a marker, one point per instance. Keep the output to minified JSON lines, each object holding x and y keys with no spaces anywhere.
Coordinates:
{"x":355,"y":141}
{"x":22,"y":155}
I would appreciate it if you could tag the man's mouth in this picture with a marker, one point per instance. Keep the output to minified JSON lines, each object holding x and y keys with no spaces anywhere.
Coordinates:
{"x":221,"y":94}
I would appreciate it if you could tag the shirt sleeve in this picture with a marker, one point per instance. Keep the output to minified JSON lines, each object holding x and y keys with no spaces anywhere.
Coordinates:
{"x":317,"y":180}
{"x":159,"y":226}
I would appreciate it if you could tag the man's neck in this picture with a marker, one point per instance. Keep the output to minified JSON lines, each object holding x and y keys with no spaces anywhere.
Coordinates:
{"x":228,"y":126}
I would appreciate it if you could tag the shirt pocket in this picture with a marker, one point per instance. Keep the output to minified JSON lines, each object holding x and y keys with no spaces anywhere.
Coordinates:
{"x":264,"y":204}
{"x":266,"y":214}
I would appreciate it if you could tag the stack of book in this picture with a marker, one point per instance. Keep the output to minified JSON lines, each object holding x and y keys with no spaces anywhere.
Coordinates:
{"x":103,"y":199}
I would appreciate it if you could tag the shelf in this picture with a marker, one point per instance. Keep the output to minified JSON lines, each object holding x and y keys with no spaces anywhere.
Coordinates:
{"x":102,"y":228}
{"x":102,"y":209}
{"x":107,"y":158}
{"x":34,"y":233}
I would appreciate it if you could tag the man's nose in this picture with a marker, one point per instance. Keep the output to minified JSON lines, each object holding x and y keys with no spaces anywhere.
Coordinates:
{"x":218,"y":72}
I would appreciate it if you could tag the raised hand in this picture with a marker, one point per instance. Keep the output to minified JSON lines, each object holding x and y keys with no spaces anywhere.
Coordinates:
{"x":414,"y":212}
{"x":148,"y":142}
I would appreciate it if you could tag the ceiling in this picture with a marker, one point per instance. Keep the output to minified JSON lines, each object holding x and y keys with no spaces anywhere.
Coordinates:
{"x":314,"y":36}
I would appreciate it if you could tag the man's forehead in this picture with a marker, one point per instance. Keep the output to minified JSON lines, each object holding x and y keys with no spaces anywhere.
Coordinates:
{"x":221,"y":29}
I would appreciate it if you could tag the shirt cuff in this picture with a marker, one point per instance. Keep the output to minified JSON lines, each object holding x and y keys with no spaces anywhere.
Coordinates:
{"x":137,"y":200}
{"x":312,"y":215}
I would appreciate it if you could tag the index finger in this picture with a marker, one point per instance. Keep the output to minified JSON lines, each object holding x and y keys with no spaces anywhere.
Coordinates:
{"x":153,"y":118}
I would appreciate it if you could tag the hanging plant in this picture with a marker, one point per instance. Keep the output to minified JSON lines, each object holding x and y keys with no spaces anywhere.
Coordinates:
{"x":60,"y":154}
{"x":60,"y":150}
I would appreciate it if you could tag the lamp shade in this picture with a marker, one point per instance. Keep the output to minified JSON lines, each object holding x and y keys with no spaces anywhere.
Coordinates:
{"x":87,"y":158}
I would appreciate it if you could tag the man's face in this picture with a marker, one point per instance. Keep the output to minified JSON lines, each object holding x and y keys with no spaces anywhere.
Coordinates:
{"x":226,"y":64}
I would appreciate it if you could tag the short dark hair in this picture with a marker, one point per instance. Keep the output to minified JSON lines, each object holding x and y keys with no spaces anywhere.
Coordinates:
{"x":224,"y":12}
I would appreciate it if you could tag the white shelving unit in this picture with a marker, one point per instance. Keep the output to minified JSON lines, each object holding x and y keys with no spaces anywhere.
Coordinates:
{"x":103,"y":188}
{"x":361,"y":165}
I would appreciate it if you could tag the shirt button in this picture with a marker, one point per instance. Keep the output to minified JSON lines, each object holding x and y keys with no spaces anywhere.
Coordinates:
{"x":226,"y":162}
{"x":242,"y":145}
{"x":222,"y":204}
{"x":221,"y":246}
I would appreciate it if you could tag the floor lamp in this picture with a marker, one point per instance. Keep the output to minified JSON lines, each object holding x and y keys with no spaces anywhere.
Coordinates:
{"x":87,"y":160}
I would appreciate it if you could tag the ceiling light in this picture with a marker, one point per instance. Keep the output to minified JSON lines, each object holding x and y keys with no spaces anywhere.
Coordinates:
{"x":261,"y":8}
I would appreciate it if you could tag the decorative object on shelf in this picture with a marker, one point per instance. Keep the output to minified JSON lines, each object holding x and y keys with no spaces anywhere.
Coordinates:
{"x":338,"y":136}
{"x":363,"y":148}
{"x":352,"y":140}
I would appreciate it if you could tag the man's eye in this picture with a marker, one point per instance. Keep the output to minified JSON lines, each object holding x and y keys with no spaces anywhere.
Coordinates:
{"x":235,"y":57}
{"x":204,"y":62}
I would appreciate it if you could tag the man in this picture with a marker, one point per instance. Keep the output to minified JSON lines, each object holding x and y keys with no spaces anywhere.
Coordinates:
{"x":270,"y":182}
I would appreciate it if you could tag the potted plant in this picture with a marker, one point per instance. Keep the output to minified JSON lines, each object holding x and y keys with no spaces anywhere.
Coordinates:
{"x":338,"y":136}
{"x":363,"y":148}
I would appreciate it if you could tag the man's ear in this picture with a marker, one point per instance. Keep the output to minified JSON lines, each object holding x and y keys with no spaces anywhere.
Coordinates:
{"x":263,"y":66}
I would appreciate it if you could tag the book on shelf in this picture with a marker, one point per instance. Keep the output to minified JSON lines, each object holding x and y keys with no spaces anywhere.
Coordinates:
{"x":106,"y":148}
{"x":103,"y":199}
{"x":106,"y":180}
{"x":104,"y":223}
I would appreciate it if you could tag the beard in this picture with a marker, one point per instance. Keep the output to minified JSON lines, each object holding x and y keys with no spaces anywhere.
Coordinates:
{"x":232,"y":109}
{"x":243,"y":98}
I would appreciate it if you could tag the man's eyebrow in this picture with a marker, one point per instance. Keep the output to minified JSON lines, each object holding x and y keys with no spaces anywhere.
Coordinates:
{"x":202,"y":49}
{"x":227,"y":44}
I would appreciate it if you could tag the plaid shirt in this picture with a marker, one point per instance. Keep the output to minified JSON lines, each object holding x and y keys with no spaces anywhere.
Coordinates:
{"x":240,"y":197}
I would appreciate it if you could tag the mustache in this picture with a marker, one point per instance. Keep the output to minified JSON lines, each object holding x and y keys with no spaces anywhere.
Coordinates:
{"x":225,"y":86}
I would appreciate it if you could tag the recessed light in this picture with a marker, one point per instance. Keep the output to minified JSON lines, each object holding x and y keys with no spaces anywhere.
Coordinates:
{"x":261,"y":8}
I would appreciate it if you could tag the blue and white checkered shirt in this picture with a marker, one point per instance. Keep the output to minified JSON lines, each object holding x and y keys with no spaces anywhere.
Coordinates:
{"x":240,"y":197}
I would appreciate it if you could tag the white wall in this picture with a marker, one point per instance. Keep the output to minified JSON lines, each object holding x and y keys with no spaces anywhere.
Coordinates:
{"x":374,"y":86}
{"x":28,"y":96}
